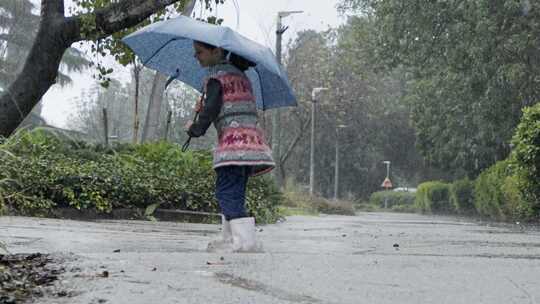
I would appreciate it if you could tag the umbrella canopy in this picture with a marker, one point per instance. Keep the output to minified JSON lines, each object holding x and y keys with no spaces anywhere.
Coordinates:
{"x":167,"y":47}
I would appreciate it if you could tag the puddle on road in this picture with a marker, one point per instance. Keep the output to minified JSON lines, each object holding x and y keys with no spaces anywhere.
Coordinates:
{"x":178,"y":231}
{"x":316,"y":229}
{"x":362,"y":224}
{"x":473,"y":243}
{"x":480,"y":231}
{"x":481,"y":255}
{"x":488,"y":256}
{"x":251,"y":285}
{"x":484,"y":231}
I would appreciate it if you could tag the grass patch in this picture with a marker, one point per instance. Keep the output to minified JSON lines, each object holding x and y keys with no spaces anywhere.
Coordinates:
{"x":292,"y":211}
{"x":298,"y":203}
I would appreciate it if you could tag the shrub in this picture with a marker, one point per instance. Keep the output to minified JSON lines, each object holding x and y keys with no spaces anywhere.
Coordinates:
{"x":42,"y":171}
{"x":488,"y":190}
{"x":433,"y":197}
{"x":462,"y":196}
{"x":263,"y":199}
{"x":516,"y":205}
{"x":392,"y":198}
{"x":498,"y":194}
{"x":526,"y":155}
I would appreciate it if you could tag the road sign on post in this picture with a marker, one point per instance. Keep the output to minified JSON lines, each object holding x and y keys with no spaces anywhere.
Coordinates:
{"x":387,"y":184}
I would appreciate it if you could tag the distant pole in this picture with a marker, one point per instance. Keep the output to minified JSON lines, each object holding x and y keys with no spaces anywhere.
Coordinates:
{"x":387,"y":163}
{"x":312,"y":149}
{"x":314,"y":93}
{"x":275,"y":112}
{"x":105,"y":127}
{"x":166,"y":135}
{"x":137,"y":74}
{"x":336,"y":171}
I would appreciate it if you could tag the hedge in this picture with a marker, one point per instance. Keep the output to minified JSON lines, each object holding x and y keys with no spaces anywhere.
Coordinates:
{"x":40,"y":171}
{"x":433,"y":196}
{"x":462,"y":196}
{"x":498,"y":194}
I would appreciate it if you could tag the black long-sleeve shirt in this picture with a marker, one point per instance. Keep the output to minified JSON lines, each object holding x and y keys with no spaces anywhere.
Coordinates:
{"x":210,"y":111}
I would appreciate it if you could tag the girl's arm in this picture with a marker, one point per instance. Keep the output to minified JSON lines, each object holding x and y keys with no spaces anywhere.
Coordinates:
{"x":210,"y":111}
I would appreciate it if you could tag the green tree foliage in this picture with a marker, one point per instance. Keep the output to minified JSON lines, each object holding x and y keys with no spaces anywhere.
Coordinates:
{"x":112,"y":45}
{"x":362,"y":98}
{"x":471,"y":66}
{"x":526,"y":154}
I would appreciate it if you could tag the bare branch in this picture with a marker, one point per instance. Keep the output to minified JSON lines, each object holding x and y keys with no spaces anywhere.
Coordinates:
{"x":117,"y":16}
{"x":295,"y":141}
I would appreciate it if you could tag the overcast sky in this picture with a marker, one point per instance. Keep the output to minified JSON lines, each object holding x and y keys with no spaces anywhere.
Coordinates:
{"x":255,"y":19}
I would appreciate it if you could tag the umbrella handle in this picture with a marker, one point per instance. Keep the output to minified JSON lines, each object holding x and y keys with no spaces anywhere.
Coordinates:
{"x":186,"y":144}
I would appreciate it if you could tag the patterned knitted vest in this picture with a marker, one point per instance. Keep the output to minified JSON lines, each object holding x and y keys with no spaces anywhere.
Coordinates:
{"x":240,"y":140}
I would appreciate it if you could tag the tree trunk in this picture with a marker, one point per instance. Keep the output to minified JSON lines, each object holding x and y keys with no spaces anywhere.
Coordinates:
{"x":55,"y":35}
{"x":151,"y":125}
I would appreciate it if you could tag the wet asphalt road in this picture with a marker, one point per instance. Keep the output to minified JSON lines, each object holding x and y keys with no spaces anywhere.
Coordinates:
{"x":369,"y":258}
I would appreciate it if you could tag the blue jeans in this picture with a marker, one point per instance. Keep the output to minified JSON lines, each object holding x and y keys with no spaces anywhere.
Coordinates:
{"x":231,"y":190}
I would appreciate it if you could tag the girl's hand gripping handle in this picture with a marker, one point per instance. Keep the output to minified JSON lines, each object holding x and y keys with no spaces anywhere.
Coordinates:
{"x":198,"y":109}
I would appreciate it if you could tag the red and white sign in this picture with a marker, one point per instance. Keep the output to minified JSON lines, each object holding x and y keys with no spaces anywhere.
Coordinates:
{"x":387,"y":183}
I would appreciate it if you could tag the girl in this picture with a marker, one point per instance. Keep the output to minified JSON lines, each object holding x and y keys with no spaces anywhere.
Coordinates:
{"x":229,"y":103}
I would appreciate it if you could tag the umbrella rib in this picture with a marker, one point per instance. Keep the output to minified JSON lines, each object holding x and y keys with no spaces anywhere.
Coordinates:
{"x":172,"y":78}
{"x":262,"y":90}
{"x":158,"y":50}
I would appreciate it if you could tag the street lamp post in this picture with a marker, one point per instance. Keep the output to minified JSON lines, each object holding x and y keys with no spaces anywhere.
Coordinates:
{"x":387,"y":162}
{"x":280,"y":29}
{"x":336,"y":171}
{"x":314,"y":93}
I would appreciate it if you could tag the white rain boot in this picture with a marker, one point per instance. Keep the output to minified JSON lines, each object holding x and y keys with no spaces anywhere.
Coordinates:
{"x":225,"y":244}
{"x":243,"y":234}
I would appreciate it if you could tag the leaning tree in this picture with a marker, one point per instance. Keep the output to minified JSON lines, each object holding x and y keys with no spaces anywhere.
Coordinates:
{"x":56,"y":33}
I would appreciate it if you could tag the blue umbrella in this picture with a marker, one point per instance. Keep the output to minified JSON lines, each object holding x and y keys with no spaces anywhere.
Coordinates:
{"x":167,"y":47}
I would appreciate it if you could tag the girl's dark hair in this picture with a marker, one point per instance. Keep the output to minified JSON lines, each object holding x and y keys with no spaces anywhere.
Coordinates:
{"x":238,"y":61}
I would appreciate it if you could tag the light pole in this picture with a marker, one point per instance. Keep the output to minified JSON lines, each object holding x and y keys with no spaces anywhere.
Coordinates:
{"x":314,"y":93}
{"x":387,"y":162}
{"x":336,"y":172}
{"x":280,"y":29}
